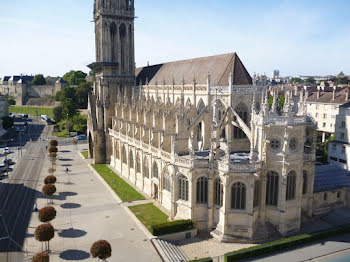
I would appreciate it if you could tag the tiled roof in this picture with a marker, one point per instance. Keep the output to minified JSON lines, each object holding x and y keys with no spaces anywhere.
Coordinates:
{"x":327,"y":97}
{"x":330,"y":177}
{"x":219,"y":67}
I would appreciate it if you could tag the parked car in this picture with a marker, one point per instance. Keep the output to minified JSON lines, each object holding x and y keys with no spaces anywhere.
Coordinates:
{"x":3,"y":167}
{"x":7,"y":150}
{"x":81,"y":137}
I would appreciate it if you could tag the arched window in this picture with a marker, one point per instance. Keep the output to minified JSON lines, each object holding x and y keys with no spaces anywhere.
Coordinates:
{"x":138,"y":163}
{"x":125,"y":159}
{"x":218,"y":192}
{"x":272,"y":188}
{"x":117,"y":150}
{"x":201,"y":106}
{"x":123,"y":47}
{"x":242,"y":110}
{"x":145,"y":167}
{"x":202,"y":190}
{"x":167,"y":182}
{"x":131,"y":159}
{"x":238,"y":192}
{"x":113,"y":36}
{"x":304,"y":182}
{"x":256,"y":193}
{"x":183,"y":188}
{"x":291,"y":179}
{"x":155,"y":170}
{"x":325,"y":197}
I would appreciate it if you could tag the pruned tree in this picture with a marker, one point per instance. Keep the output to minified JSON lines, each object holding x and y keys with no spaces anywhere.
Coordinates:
{"x":44,"y":233}
{"x":53,"y":149}
{"x":50,"y":180}
{"x":49,"y":190}
{"x":41,"y":257}
{"x":52,"y":170}
{"x":53,"y":143}
{"x":101,"y":249}
{"x":47,"y":214}
{"x":75,"y":141}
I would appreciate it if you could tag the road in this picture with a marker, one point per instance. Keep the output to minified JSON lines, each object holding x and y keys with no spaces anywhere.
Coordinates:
{"x":18,"y":194}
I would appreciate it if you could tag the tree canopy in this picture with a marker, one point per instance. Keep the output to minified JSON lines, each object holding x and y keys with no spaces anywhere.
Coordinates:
{"x":39,"y":80}
{"x":101,"y":249}
{"x":74,"y":77}
{"x":47,"y":214}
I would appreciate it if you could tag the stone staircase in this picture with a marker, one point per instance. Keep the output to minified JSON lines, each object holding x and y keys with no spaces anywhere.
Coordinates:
{"x":168,"y":251}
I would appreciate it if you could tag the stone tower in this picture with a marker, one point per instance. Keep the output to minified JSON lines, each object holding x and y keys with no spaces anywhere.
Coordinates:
{"x":114,"y":69}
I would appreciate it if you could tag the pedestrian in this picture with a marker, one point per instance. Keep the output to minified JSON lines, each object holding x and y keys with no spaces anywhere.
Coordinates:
{"x":35,"y":207}
{"x":67,"y":170}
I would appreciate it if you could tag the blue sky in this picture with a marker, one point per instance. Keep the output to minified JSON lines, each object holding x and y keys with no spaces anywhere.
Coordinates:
{"x":296,"y":37}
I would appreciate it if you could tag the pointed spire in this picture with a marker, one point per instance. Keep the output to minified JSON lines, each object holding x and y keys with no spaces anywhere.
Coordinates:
{"x":274,"y":103}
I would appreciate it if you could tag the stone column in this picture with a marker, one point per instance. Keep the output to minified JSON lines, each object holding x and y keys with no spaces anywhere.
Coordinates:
{"x":262,"y":199}
{"x":281,"y":206}
{"x":211,"y":205}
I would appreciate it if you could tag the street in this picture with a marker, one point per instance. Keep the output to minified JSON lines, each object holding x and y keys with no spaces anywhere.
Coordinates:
{"x":17,"y":192}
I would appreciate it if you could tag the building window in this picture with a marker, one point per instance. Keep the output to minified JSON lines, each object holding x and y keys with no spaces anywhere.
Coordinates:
{"x":316,"y":114}
{"x":202,"y":190}
{"x":145,"y":168}
{"x":324,"y":116}
{"x":325,"y":196}
{"x":131,"y":159}
{"x":342,"y":135}
{"x":117,"y":150}
{"x":324,"y":125}
{"x":334,"y":158}
{"x":334,"y":147}
{"x":242,"y":110}
{"x":183,"y":188}
{"x":342,"y":161}
{"x":275,"y":144}
{"x":138,"y":163}
{"x":238,"y":192}
{"x":167,"y":182}
{"x":304,"y":182}
{"x":343,"y":124}
{"x":256,"y":193}
{"x":343,"y":149}
{"x":272,"y":188}
{"x":124,"y":155}
{"x":290,"y":192}
{"x":339,"y":194}
{"x":155,"y":170}
{"x":293,"y":144}
{"x":218,"y":192}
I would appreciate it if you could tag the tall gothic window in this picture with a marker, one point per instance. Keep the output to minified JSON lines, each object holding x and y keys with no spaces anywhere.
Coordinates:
{"x":155,"y":170}
{"x":131,"y":159}
{"x":242,"y":111}
{"x":238,"y":196}
{"x":145,"y":167}
{"x":123,"y":47}
{"x":138,"y":163}
{"x":272,"y":188}
{"x":304,"y":182}
{"x":167,"y":182}
{"x":183,"y":188}
{"x":256,"y":193}
{"x":202,"y":190}
{"x":117,"y":150}
{"x":125,"y":159}
{"x":291,"y":179}
{"x":218,"y":192}
{"x":113,"y":37}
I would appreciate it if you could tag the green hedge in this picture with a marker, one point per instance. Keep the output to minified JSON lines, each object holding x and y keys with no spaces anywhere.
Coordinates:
{"x":171,"y":227}
{"x":282,"y":244}
{"x":207,"y":259}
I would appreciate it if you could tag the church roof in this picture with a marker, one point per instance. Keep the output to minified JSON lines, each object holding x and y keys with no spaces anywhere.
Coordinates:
{"x":219,"y":67}
{"x":330,"y":177}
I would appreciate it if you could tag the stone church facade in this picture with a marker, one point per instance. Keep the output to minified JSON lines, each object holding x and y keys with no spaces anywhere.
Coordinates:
{"x":199,"y":137}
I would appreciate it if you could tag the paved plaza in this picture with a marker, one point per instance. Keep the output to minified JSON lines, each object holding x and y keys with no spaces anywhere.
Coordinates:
{"x":87,"y":212}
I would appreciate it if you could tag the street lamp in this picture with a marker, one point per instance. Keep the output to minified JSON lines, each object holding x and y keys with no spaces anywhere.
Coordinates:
{"x":68,"y":124}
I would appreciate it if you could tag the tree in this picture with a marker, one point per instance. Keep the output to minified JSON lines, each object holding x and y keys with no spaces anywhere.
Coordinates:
{"x":58,"y":96}
{"x":53,"y":142}
{"x":342,"y":80}
{"x":82,"y":92}
{"x":310,"y":80}
{"x":296,"y":80}
{"x":7,"y":122}
{"x":47,"y":214}
{"x":69,"y":107}
{"x":53,"y":149}
{"x":50,"y":180}
{"x":39,"y":80}
{"x":41,"y":257}
{"x":74,"y":77}
{"x":52,"y":170}
{"x":44,"y":233}
{"x":49,"y":190}
{"x":57,"y":113}
{"x":79,"y":124}
{"x":101,"y":249}
{"x":11,"y":100}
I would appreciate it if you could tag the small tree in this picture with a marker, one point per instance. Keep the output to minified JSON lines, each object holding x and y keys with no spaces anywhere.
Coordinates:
{"x":53,"y":143}
{"x":44,"y":233}
{"x":57,"y":113}
{"x":101,"y":249}
{"x":41,"y":257}
{"x":47,"y":214}
{"x":49,"y":190}
{"x":50,"y":180}
{"x":53,"y":149}
{"x":52,"y":170}
{"x":39,"y":80}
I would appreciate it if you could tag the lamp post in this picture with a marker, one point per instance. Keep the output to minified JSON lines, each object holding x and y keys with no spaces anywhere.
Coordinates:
{"x":68,"y":124}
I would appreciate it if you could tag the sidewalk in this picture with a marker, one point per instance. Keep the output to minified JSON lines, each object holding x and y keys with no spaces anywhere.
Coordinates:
{"x":87,"y":212}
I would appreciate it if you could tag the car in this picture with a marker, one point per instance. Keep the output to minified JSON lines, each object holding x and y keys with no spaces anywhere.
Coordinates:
{"x":3,"y":167}
{"x":81,"y":137}
{"x":7,"y":150}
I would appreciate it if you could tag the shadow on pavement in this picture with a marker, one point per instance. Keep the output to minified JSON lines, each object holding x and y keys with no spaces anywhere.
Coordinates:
{"x":73,"y":255}
{"x":72,"y":233}
{"x":65,"y":159}
{"x":66,"y":194}
{"x":66,"y":165}
{"x":70,"y":205}
{"x":65,"y":151}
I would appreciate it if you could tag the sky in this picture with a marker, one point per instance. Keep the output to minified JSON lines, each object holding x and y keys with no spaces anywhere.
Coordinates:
{"x":297,"y":37}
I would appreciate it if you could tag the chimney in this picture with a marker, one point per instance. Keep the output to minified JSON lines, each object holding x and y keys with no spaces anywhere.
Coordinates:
{"x":318,"y":92}
{"x":334,"y":89}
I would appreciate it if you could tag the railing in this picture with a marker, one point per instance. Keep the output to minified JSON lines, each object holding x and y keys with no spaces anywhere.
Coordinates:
{"x":226,"y":167}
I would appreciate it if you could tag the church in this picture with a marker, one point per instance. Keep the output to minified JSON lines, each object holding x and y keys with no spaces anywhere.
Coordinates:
{"x":198,"y":137}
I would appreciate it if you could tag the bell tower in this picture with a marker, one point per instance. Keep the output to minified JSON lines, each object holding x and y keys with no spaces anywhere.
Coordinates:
{"x":114,"y":70}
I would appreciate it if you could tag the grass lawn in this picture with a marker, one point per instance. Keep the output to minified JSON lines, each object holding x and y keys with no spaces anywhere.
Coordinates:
{"x":123,"y":189}
{"x":32,"y":110}
{"x":149,"y":215}
{"x":85,"y":154}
